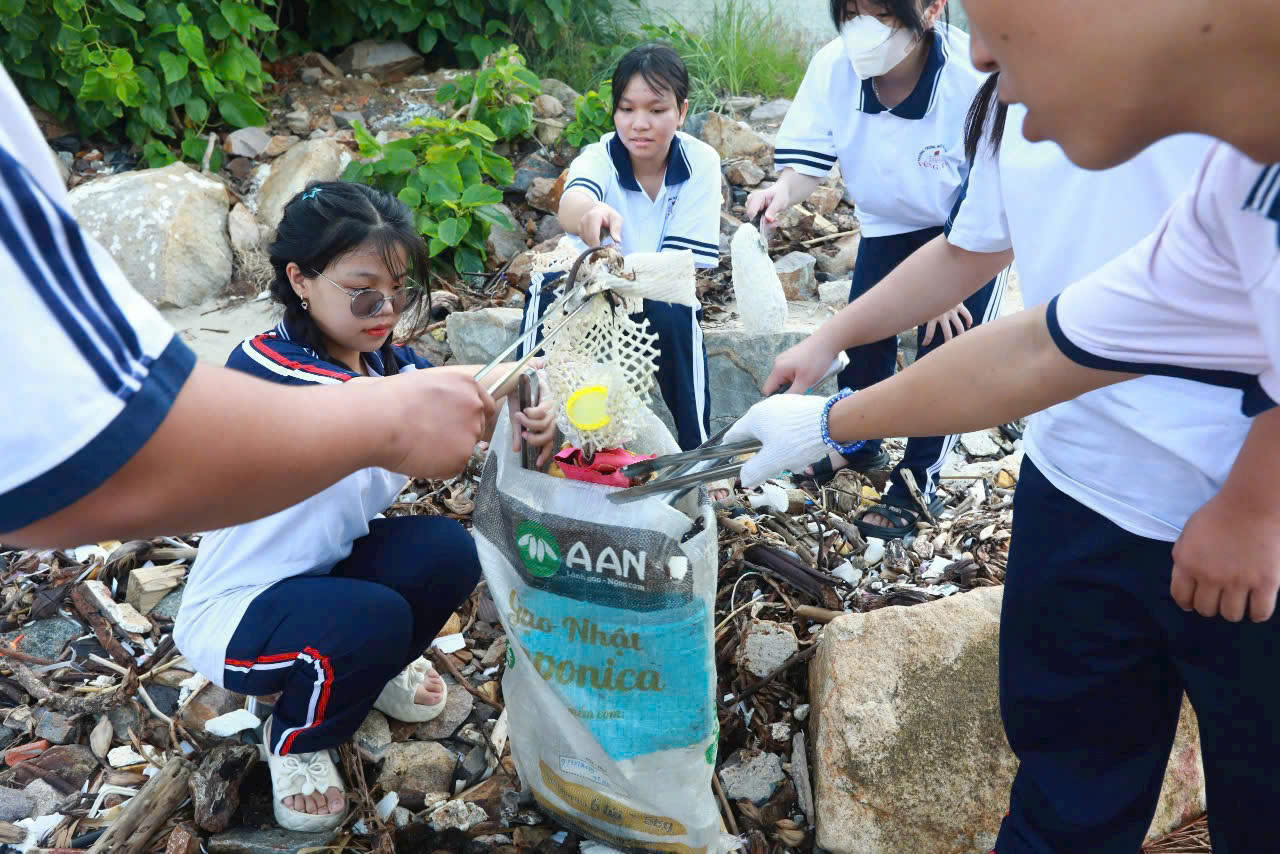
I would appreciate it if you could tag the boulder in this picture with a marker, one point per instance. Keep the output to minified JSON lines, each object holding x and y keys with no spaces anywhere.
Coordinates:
{"x":834,"y":294}
{"x":503,"y":244}
{"x":766,"y":646}
{"x":247,"y":142}
{"x":980,"y":442}
{"x":380,"y":59}
{"x":744,"y":173}
{"x":533,"y":166}
{"x":841,"y":261}
{"x":280,"y":143}
{"x":738,"y":365}
{"x":751,"y":775}
{"x":348,"y":118}
{"x":544,"y":193}
{"x":909,"y":751}
{"x":373,"y":737}
{"x":771,"y":112}
{"x":457,"y":708}
{"x":733,"y":139}
{"x":796,"y":272}
{"x":548,"y":107}
{"x":42,"y":638}
{"x":15,"y":804}
{"x":417,"y":770}
{"x":562,"y":92}
{"x":477,"y":336}
{"x":243,"y":228}
{"x":299,"y":121}
{"x":166,"y":228}
{"x":548,"y":229}
{"x":824,"y":200}
{"x":314,"y":160}
{"x":549,"y":131}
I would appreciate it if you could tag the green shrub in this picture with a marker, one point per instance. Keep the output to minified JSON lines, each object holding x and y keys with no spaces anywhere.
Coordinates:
{"x":159,"y":70}
{"x":440,"y":174}
{"x":503,"y":90}
{"x":592,"y":117}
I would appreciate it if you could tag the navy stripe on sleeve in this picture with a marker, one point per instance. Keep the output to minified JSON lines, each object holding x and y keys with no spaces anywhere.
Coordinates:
{"x":587,"y":184}
{"x":829,"y":159}
{"x":955,"y":209}
{"x":116,"y":358}
{"x":707,"y":251}
{"x":1255,"y":402}
{"x":105,"y":454}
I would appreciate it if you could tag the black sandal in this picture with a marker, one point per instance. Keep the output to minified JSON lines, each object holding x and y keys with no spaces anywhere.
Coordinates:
{"x":823,"y":471}
{"x":902,"y":511}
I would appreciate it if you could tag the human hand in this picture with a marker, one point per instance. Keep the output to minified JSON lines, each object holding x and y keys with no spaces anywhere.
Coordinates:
{"x":537,"y":424}
{"x":1227,"y":561}
{"x":790,"y":428}
{"x":434,"y":420}
{"x":773,"y":201}
{"x":600,"y":217}
{"x":803,"y":366}
{"x":951,"y":322}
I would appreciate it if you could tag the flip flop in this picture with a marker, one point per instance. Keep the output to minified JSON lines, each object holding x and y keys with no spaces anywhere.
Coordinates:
{"x":300,"y":774}
{"x":396,"y":699}
{"x":823,"y":471}
{"x":903,"y":512}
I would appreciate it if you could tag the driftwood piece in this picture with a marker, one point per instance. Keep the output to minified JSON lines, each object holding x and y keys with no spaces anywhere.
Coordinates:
{"x":143,"y":816}
{"x":70,"y":705}
{"x":85,"y":605}
{"x":149,"y":584}
{"x":215,"y":786}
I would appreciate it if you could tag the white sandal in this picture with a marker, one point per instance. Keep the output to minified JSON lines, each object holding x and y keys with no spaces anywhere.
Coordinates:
{"x":300,"y":774}
{"x":396,"y":699}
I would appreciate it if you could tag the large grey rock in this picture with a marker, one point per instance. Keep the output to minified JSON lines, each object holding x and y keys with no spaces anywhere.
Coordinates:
{"x":834,"y":294}
{"x":738,"y":365}
{"x":242,"y":226}
{"x":562,"y":92}
{"x":751,"y":775}
{"x":43,"y":638}
{"x":533,"y":166}
{"x":478,"y":336}
{"x":379,"y":58}
{"x":44,"y":798}
{"x":773,"y":111}
{"x":979,"y":443}
{"x":268,"y":840}
{"x":909,"y":753}
{"x":313,"y":160}
{"x":503,"y":244}
{"x":416,"y":770}
{"x":841,"y":261}
{"x":247,"y":142}
{"x":766,"y":646}
{"x":169,"y":605}
{"x":457,"y":708}
{"x":732,"y":138}
{"x":166,"y":228}
{"x":373,"y":737}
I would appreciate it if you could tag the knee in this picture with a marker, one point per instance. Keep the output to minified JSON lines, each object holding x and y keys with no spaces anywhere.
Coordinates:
{"x":459,"y":560}
{"x":386,"y":624}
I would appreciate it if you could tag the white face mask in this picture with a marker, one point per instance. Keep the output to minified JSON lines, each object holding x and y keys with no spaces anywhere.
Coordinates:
{"x":873,"y":47}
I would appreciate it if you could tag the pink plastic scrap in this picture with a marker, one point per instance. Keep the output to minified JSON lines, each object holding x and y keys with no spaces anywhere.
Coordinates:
{"x":604,"y":467}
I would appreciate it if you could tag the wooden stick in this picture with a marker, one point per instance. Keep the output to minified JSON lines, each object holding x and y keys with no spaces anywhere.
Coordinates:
{"x":724,"y":802}
{"x":10,"y":652}
{"x":817,"y":615}
{"x":828,"y":238}
{"x":45,"y":774}
{"x":87,"y":706}
{"x":148,"y":811}
{"x":101,"y":628}
{"x":910,"y":480}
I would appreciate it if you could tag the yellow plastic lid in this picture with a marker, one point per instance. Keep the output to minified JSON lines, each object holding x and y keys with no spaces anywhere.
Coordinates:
{"x":587,"y":407}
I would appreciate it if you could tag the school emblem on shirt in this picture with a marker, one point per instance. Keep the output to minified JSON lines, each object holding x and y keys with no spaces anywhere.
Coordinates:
{"x":932,"y":157}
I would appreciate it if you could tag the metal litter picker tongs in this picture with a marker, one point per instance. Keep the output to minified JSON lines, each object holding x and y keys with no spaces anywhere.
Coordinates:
{"x":679,"y":473}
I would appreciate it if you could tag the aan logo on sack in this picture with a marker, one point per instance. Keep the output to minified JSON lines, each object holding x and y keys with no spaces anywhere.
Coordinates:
{"x":540,"y":554}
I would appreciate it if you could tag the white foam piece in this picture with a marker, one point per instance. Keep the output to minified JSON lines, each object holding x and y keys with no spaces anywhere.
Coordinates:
{"x":450,"y":643}
{"x":225,"y":726}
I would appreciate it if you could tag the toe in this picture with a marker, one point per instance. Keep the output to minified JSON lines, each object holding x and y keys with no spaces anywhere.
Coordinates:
{"x":336,"y":801}
{"x":316,"y":804}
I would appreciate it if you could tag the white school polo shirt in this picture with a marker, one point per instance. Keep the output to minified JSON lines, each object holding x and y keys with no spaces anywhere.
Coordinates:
{"x":1200,"y":297}
{"x":902,"y":168}
{"x":238,"y":563}
{"x":686,"y":213}
{"x":90,"y":367}
{"x":1148,"y":453}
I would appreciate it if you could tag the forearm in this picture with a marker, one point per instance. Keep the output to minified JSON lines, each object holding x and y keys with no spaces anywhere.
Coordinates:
{"x":1001,"y":371}
{"x":795,"y":187}
{"x":573,"y":206}
{"x":232,"y":448}
{"x":1251,"y":483}
{"x":933,"y":279}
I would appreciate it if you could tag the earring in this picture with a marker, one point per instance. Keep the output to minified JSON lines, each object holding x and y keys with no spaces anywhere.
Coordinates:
{"x":305,"y":305}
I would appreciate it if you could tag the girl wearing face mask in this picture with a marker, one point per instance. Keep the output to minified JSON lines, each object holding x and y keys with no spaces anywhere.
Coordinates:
{"x":325,"y":602}
{"x":650,"y":187}
{"x":886,"y":101}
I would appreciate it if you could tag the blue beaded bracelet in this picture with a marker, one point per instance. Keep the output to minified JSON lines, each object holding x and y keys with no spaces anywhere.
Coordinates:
{"x":826,"y":432}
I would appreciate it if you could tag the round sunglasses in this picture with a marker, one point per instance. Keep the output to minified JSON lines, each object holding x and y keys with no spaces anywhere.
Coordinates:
{"x":368,"y":302}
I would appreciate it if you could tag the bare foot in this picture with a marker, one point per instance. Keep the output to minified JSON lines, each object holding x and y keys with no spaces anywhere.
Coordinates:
{"x":877,"y":519}
{"x":431,"y":691}
{"x":333,"y":802}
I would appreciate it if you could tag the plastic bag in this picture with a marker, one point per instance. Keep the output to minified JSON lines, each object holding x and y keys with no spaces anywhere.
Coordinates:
{"x":610,"y":674}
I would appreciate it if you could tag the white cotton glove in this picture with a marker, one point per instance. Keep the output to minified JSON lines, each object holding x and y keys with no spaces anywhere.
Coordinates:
{"x":790,"y":426}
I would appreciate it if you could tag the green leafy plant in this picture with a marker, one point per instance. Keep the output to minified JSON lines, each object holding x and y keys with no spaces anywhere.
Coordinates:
{"x":440,"y":174}
{"x":156,"y":70}
{"x":592,"y":117}
{"x":500,"y":94}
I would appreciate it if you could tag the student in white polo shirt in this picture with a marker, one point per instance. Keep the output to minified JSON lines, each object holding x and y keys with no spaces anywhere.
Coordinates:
{"x":136,"y":406}
{"x":652,"y":188}
{"x":887,"y":101}
{"x":1104,"y":466}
